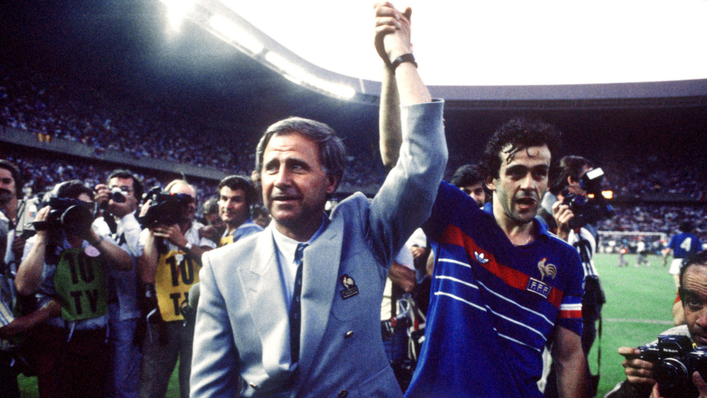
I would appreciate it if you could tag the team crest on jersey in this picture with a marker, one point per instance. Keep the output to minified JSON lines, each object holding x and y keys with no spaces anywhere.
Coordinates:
{"x":538,"y":287}
{"x":350,"y":288}
{"x":547,"y":269}
{"x":481,"y":258}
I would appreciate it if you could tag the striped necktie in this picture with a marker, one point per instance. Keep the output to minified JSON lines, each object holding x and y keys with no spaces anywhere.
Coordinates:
{"x":295,"y":308}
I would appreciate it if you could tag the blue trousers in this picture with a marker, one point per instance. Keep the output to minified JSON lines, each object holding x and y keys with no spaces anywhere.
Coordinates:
{"x":124,"y":375}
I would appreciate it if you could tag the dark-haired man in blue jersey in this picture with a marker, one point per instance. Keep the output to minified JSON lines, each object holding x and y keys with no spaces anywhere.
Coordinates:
{"x":503,"y":287}
{"x":684,"y":245}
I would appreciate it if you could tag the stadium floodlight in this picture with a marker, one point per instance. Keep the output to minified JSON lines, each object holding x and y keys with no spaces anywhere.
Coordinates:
{"x":177,"y":11}
{"x":338,"y":90}
{"x":299,"y":75}
{"x":224,"y":23}
{"x":285,"y":65}
{"x":231,"y":32}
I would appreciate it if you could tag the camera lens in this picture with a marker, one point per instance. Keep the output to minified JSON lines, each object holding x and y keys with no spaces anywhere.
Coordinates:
{"x":673,"y":378}
{"x":117,"y":195}
{"x":77,"y":219}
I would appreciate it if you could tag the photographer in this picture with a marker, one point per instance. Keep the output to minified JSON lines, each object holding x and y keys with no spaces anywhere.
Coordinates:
{"x":169,"y":266}
{"x":14,"y":328}
{"x":18,"y":214}
{"x":572,"y":184}
{"x":119,"y":200}
{"x":66,"y":260}
{"x":640,"y":374}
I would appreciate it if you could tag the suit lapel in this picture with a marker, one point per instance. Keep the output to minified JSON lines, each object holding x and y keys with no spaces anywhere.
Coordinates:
{"x":262,"y":285}
{"x":319,"y":281}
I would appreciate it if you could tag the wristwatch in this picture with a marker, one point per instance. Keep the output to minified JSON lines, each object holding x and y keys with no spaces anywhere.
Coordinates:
{"x":188,"y":246}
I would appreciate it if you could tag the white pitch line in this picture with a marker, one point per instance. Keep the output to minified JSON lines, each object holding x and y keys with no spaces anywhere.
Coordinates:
{"x":622,"y":320}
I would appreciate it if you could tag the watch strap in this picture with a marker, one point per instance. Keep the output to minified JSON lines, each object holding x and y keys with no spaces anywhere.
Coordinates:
{"x":403,"y":58}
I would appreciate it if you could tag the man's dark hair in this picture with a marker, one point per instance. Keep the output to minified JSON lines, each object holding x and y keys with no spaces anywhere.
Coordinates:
{"x":516,"y":135}
{"x":332,"y":152}
{"x":685,"y":226}
{"x":698,"y":259}
{"x":260,"y":210}
{"x":71,"y":189}
{"x":235,"y":182}
{"x":210,"y":206}
{"x":469,"y":174}
{"x":570,"y":167}
{"x":138,"y":189}
{"x":19,"y":183}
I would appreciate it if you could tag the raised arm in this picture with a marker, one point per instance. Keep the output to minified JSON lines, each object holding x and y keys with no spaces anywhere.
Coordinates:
{"x":393,"y":41}
{"x":391,"y":135}
{"x":147,"y":262}
{"x":117,"y":257}
{"x":405,"y":200}
{"x":29,"y":274}
{"x":401,"y":85}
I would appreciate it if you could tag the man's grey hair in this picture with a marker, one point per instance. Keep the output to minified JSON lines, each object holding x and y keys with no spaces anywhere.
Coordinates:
{"x":332,"y":152}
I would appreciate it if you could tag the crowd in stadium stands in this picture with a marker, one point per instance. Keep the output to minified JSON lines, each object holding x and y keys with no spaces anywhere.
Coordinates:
{"x":652,"y":175}
{"x":31,"y":101}
{"x":42,"y":173}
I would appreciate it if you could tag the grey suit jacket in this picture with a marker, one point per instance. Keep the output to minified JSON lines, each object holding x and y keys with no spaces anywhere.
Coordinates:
{"x":242,"y":326}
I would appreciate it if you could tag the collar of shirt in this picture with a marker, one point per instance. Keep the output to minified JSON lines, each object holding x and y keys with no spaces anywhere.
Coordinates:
{"x":286,"y":248}
{"x":246,"y":222}
{"x":192,"y":236}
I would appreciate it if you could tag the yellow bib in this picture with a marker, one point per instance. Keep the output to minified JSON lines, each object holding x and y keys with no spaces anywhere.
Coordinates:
{"x":176,"y":274}
{"x":226,"y":240}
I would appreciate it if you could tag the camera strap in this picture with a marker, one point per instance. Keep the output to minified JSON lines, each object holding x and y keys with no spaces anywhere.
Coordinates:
{"x":110,"y":220}
{"x":595,"y":378}
{"x":21,"y":206}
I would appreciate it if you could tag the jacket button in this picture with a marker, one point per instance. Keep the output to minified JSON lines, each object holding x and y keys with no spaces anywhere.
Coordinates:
{"x":343,"y":394}
{"x":347,"y":335}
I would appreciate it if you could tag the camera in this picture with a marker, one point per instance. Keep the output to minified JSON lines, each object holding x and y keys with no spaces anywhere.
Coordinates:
{"x":588,"y":210}
{"x":165,"y":208}
{"x":675,"y":360}
{"x":116,"y":193}
{"x":73,"y":215}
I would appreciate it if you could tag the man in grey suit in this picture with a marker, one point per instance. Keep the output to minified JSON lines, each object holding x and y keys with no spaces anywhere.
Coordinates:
{"x":246,"y":328}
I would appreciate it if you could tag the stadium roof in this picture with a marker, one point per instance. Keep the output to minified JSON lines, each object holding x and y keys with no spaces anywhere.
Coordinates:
{"x":502,"y":54}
